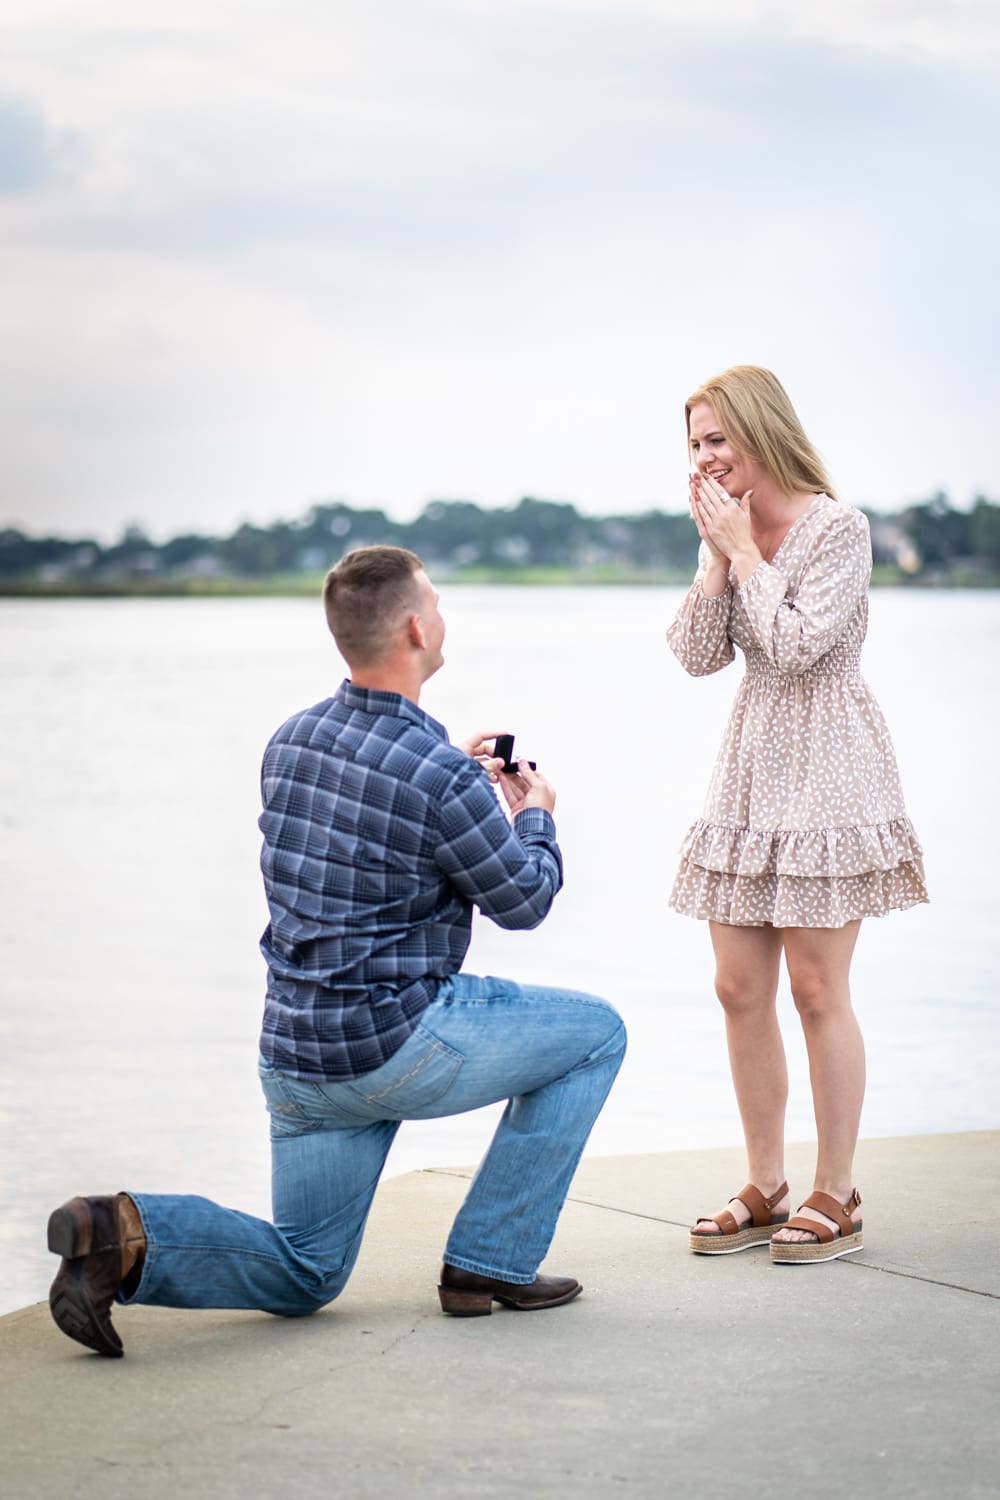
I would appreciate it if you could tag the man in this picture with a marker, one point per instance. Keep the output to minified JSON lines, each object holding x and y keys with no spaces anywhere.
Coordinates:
{"x":379,"y":838}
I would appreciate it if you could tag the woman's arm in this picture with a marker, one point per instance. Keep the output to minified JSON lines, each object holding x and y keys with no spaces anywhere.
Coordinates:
{"x":699,"y":635}
{"x":794,"y":633}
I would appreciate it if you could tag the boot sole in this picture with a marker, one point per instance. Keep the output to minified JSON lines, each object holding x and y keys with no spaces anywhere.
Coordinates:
{"x":74,"y":1315}
{"x":462,"y":1304}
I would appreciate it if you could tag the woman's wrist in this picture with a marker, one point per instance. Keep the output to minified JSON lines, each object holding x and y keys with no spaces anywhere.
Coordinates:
{"x":716,"y":578}
{"x":746,"y":561}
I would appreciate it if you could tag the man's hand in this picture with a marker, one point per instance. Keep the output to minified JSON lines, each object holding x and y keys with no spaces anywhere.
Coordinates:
{"x":527,"y":789}
{"x":480,"y":747}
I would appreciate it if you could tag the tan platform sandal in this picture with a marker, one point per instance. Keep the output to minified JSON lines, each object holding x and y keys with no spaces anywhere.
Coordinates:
{"x":829,"y":1242}
{"x":731,"y":1236}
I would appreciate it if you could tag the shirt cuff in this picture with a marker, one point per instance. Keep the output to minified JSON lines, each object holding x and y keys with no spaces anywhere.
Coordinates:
{"x":534,"y":820}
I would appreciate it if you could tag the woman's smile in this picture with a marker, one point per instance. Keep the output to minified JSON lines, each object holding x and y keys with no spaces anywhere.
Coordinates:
{"x":713,"y":455}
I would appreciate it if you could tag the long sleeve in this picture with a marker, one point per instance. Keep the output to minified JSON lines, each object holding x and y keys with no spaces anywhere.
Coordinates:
{"x":795,"y":630}
{"x":699,"y":635}
{"x":512,"y":872}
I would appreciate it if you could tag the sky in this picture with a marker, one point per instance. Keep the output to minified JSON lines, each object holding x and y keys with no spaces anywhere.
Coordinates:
{"x":254,"y":255}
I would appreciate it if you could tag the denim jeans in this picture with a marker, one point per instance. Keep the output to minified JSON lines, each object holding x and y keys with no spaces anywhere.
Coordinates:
{"x":553,"y":1054}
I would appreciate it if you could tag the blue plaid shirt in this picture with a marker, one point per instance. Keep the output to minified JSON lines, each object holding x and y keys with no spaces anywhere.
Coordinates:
{"x":379,"y":837}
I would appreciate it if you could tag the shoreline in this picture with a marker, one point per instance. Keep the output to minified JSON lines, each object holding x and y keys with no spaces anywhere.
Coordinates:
{"x":308,"y":585}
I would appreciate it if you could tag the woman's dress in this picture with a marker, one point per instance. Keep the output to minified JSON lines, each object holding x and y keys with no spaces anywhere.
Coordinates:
{"x":804,"y":823}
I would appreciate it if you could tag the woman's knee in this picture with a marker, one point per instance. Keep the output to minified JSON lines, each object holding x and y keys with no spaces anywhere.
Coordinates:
{"x":815,"y":997}
{"x":740,"y":996}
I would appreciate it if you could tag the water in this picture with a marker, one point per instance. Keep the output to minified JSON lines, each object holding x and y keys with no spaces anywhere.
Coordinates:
{"x":132,"y":904}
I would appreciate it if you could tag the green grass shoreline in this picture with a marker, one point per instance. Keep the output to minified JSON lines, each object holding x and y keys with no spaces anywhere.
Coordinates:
{"x":307,"y":585}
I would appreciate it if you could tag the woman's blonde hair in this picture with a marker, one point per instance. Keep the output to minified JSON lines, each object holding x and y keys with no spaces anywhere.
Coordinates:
{"x":754,"y":413}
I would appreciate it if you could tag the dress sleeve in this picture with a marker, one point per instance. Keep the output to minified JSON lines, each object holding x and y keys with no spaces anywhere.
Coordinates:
{"x":794,"y":631}
{"x":699,"y":635}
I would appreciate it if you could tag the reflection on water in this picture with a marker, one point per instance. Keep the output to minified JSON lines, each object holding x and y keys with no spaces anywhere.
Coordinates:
{"x":132,"y":902}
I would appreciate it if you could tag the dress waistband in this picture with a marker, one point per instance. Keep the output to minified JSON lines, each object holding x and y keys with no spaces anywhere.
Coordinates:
{"x":839,"y":661}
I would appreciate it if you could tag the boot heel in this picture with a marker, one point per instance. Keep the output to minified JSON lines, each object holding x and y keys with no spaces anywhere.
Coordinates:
{"x":71,"y":1230}
{"x":465,"y":1304}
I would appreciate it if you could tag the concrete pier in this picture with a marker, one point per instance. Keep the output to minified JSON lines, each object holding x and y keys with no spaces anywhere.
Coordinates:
{"x":878,"y":1374}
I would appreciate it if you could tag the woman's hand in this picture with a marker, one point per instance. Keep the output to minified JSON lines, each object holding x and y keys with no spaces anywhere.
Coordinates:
{"x":724,"y":525}
{"x":694,"y":499}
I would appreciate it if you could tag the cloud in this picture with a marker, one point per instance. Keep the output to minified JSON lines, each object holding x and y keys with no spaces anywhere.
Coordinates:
{"x":396,"y":250}
{"x":964,"y":32}
{"x":478,"y":139}
{"x":32,"y":154}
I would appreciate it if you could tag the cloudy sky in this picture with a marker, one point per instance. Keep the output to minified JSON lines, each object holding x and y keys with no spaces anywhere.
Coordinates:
{"x":256,"y":254}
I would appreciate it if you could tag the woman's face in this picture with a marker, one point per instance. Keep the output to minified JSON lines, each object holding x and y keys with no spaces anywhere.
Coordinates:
{"x":711,"y":454}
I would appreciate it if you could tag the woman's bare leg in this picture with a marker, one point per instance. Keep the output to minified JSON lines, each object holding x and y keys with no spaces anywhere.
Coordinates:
{"x":746,"y":982}
{"x":819,"y":962}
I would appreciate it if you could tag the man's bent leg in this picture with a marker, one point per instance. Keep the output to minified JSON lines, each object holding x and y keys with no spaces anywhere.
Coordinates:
{"x":323,"y":1180}
{"x":322,"y":1186}
{"x":190,"y":1253}
{"x":199,"y":1254}
{"x":184,"y":1251}
{"x":505,"y":1226}
{"x":555,"y":1054}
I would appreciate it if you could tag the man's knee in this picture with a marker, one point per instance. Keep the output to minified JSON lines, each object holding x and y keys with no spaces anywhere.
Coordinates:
{"x":611,"y":1038}
{"x":309,"y":1296}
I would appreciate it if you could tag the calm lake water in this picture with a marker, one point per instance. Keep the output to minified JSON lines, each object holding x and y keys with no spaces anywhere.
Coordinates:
{"x":132,"y":904}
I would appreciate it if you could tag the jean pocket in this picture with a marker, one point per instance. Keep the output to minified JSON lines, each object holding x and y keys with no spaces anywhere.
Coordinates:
{"x":288,"y":1103}
{"x":420,"y":1074}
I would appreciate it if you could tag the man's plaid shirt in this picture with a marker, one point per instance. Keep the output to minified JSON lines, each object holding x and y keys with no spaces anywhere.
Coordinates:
{"x":379,"y":837}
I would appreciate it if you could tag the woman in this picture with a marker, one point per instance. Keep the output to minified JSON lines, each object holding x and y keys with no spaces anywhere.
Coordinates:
{"x":804,"y":831}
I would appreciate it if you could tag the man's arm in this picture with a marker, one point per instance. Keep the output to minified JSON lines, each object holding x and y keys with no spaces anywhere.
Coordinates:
{"x":510,"y":870}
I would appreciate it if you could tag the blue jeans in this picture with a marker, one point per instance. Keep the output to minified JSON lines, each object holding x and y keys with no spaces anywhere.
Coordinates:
{"x":553,"y":1054}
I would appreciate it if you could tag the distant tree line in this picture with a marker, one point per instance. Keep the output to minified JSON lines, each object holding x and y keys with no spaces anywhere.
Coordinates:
{"x":930,"y":542}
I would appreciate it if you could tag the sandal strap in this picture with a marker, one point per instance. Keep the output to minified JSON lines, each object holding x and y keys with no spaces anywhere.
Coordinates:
{"x":761,"y":1208}
{"x":823,"y":1232}
{"x":838,"y":1212}
{"x":761,"y":1211}
{"x":727,"y":1224}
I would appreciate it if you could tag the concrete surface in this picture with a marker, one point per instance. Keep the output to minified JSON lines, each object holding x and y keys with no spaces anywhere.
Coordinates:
{"x":673,"y":1374}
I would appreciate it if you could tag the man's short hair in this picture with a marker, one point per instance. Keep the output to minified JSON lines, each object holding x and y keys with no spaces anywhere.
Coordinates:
{"x":367,"y":595}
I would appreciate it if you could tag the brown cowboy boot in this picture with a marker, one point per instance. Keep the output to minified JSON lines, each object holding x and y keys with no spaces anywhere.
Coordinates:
{"x":102,"y":1242}
{"x":465,"y":1294}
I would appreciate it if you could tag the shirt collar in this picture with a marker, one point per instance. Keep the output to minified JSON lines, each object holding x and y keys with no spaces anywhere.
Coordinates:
{"x":374,"y":701}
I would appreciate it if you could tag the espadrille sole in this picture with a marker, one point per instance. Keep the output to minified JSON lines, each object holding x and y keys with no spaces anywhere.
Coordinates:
{"x":807,"y":1253}
{"x":730,"y":1244}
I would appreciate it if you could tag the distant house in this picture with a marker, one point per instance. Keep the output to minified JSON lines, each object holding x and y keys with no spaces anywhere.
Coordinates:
{"x":891,"y":545}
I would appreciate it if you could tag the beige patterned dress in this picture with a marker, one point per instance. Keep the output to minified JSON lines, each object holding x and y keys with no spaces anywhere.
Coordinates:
{"x":804,"y":823}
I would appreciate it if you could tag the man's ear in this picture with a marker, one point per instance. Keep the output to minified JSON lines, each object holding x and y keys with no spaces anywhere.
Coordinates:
{"x":415,"y":632}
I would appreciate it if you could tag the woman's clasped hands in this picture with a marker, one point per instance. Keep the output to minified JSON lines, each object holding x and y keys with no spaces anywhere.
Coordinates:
{"x":723,"y":522}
